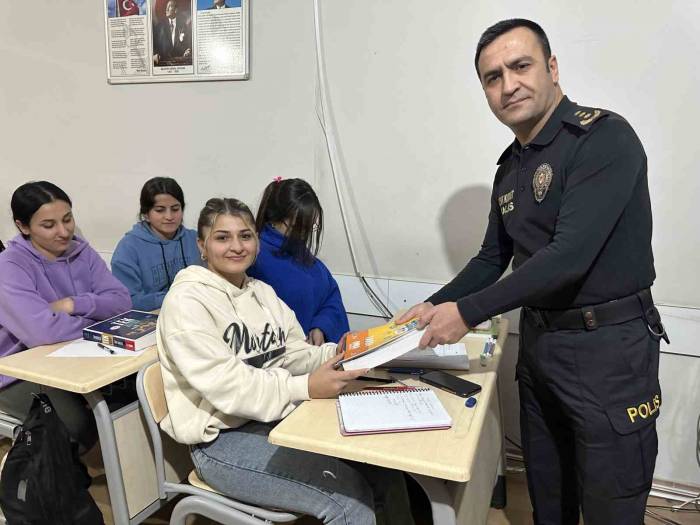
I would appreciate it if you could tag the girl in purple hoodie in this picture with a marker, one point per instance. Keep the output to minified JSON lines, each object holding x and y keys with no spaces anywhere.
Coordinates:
{"x":52,"y":285}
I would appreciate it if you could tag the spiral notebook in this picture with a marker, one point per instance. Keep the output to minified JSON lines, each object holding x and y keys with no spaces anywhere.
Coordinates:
{"x":396,"y":410}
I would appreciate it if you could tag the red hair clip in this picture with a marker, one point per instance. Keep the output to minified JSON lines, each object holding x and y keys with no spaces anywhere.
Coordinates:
{"x":277,"y":179}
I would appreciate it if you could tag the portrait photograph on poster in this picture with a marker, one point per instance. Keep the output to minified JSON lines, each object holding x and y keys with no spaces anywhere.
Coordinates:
{"x":176,"y":40}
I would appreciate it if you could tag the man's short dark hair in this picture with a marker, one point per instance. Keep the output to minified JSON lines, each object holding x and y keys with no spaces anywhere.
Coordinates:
{"x":499,"y":28}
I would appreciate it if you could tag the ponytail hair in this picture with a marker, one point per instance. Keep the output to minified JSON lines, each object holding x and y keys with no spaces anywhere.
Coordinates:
{"x":293,"y":202}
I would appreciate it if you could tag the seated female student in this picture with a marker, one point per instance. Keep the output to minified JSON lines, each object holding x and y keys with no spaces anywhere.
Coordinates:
{"x":157,"y":247}
{"x":234,"y":362}
{"x":290,"y":225}
{"x":52,"y":285}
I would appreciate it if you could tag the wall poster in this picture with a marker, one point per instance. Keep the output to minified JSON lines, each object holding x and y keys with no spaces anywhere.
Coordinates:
{"x":176,"y":40}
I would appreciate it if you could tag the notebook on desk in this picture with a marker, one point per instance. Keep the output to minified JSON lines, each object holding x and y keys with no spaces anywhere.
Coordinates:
{"x":396,"y":410}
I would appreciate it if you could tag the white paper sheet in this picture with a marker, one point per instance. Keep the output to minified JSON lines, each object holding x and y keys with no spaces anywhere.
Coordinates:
{"x":83,"y":348}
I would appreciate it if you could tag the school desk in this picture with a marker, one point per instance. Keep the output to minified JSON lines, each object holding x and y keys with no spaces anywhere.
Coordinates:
{"x":457,"y":468}
{"x":123,"y":437}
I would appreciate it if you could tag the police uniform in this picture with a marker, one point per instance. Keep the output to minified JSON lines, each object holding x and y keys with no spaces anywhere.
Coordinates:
{"x":571,"y":209}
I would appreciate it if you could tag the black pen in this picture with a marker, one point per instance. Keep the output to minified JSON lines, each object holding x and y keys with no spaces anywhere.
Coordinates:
{"x":105,"y":347}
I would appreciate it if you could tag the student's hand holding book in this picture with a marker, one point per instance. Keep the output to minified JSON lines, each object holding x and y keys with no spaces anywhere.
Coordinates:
{"x":326,"y":381}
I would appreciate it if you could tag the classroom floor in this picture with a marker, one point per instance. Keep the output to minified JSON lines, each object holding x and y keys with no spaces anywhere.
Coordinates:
{"x":517,"y":512}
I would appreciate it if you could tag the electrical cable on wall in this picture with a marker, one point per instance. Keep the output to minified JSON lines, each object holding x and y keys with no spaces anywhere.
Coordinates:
{"x":332,"y":148}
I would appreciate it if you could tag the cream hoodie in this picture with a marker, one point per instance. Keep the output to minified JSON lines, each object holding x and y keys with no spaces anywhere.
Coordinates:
{"x":230,"y":355}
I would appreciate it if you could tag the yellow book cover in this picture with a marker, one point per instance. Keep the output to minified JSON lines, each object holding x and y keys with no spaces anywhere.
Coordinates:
{"x":365,"y":341}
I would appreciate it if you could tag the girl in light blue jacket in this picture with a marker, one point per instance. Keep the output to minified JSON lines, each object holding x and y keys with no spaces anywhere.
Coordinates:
{"x":149,"y":256}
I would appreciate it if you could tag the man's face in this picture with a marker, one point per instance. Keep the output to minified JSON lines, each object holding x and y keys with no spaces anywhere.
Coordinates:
{"x":170,"y":9}
{"x":520,"y":86}
{"x":219,"y":2}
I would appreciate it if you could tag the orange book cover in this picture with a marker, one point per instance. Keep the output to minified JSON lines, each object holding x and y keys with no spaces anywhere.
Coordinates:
{"x":365,"y":341}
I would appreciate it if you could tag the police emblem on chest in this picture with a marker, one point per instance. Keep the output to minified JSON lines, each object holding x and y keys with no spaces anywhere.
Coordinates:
{"x":541,"y":181}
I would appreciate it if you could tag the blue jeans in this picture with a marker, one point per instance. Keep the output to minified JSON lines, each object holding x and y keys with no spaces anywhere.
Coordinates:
{"x":244,"y":465}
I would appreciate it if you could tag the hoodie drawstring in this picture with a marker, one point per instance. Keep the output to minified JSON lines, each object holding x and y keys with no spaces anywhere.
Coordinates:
{"x":165,"y":265}
{"x":165,"y":262}
{"x":182,"y":251}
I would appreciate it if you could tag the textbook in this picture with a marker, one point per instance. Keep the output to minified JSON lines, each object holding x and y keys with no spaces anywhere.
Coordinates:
{"x":396,"y":410}
{"x":132,"y":330}
{"x":449,"y":357}
{"x":379,"y":344}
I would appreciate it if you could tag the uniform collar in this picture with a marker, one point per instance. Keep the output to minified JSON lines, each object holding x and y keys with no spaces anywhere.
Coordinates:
{"x":547,"y":133}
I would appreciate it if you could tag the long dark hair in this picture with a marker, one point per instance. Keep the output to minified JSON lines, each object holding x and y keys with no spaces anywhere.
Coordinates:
{"x":158,"y":186}
{"x":294,"y":201}
{"x":31,"y":196}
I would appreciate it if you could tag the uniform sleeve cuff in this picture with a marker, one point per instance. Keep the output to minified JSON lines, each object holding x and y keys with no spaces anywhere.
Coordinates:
{"x":470,"y":312}
{"x":299,"y":388}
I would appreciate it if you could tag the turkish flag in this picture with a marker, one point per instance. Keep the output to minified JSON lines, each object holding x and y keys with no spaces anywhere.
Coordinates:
{"x":127,"y":8}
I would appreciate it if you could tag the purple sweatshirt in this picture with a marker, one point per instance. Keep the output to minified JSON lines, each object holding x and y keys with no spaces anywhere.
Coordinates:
{"x":29,"y":282}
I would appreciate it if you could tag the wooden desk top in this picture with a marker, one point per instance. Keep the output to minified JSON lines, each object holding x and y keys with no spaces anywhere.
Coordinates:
{"x":446,"y":454}
{"x":74,"y":374}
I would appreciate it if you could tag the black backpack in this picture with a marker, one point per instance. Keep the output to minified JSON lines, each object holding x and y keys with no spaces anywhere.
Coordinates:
{"x":43,"y":481}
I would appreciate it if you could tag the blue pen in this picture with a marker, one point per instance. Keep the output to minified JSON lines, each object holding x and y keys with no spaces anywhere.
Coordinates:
{"x":485,"y":351}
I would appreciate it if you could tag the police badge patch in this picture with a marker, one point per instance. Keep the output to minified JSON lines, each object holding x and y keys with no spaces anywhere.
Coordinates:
{"x":541,"y":181}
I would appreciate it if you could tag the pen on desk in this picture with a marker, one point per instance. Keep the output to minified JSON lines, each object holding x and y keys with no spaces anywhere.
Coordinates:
{"x":485,"y":351}
{"x":104,"y":347}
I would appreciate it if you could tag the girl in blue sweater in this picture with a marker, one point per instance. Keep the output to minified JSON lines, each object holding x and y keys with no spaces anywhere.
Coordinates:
{"x":290,"y":225}
{"x":148,"y":257}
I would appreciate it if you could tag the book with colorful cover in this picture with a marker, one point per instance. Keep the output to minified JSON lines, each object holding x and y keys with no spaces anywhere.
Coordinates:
{"x":379,"y":344}
{"x":132,"y":330}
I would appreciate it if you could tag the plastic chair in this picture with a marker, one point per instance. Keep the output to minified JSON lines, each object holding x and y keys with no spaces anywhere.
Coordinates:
{"x":200,"y":499}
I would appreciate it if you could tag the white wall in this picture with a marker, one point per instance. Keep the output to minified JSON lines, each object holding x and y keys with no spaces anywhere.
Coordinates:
{"x":418,"y":144}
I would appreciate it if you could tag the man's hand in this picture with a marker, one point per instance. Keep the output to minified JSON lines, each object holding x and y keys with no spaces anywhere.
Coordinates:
{"x":419,"y":310}
{"x":445,"y":325}
{"x":64,"y":305}
{"x":316,"y":337}
{"x":325,"y":381}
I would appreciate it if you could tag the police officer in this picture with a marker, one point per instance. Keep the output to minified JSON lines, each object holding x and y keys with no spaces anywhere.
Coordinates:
{"x":570,"y":207}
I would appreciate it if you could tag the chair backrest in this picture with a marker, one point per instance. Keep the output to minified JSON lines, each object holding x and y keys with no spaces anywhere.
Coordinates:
{"x":155,"y":391}
{"x":149,"y":387}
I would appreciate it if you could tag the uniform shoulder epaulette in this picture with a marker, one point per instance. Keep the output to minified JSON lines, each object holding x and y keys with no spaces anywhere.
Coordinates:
{"x":583,"y":118}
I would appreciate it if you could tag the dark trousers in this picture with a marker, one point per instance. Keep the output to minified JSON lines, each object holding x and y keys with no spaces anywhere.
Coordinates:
{"x":588,"y":405}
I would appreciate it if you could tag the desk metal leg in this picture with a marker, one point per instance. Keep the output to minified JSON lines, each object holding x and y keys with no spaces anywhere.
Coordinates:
{"x":441,"y":501}
{"x":110,"y":456}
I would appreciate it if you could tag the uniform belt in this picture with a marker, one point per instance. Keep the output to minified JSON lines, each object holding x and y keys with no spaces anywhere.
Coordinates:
{"x":591,"y":317}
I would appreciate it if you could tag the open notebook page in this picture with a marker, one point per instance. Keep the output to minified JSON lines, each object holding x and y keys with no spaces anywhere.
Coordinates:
{"x":392,"y":411}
